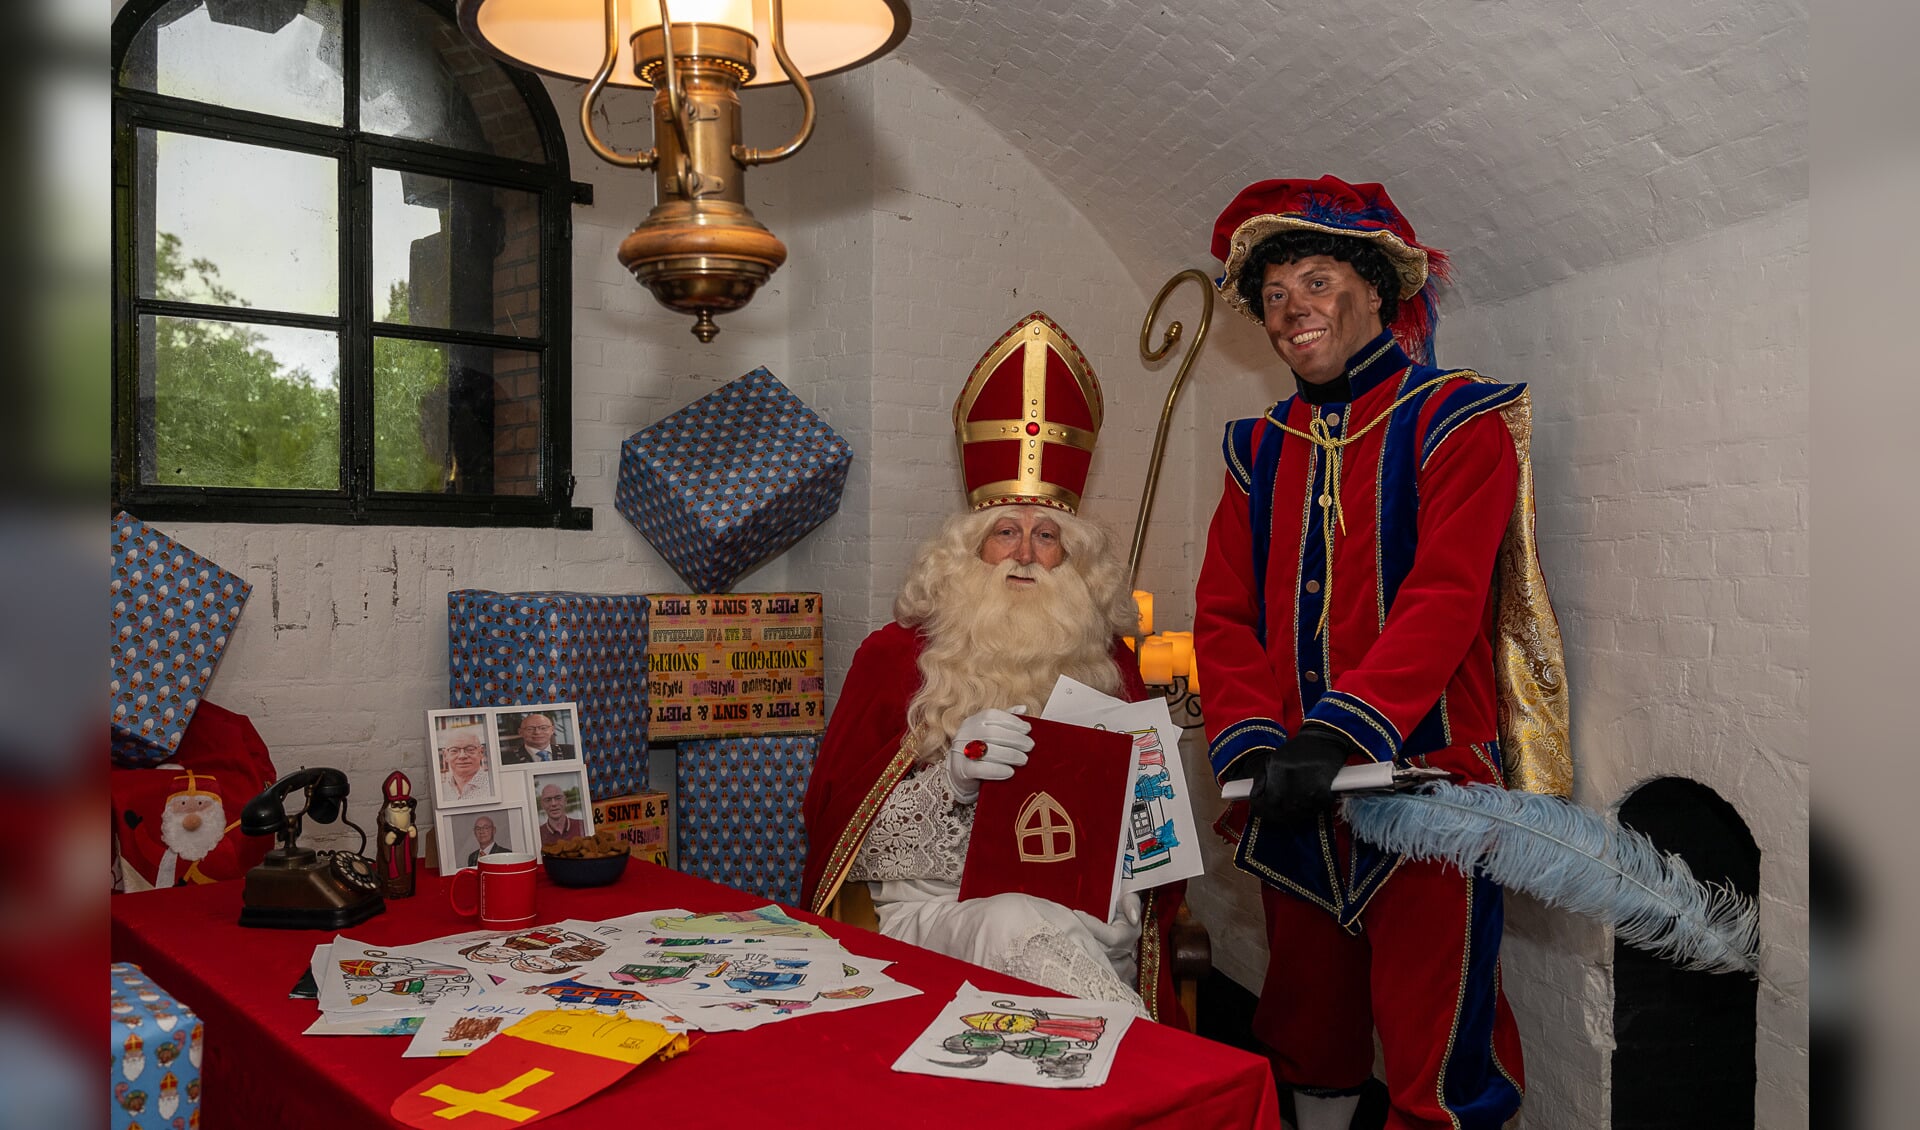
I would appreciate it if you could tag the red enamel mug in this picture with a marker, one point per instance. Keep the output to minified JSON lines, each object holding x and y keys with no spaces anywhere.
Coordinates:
{"x":505,"y":889}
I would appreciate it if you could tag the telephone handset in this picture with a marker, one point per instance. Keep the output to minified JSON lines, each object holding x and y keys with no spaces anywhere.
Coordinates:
{"x":300,"y":888}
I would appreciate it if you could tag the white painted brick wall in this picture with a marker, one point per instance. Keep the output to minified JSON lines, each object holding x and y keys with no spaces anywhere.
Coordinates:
{"x":1670,"y":449}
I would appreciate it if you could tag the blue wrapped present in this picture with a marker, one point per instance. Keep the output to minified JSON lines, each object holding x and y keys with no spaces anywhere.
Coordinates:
{"x":171,"y":612}
{"x":731,"y":479}
{"x":156,"y":1047}
{"x":740,"y":812}
{"x":590,"y":649}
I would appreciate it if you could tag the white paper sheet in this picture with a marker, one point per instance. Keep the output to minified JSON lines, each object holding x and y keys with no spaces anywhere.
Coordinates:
{"x":1163,"y":842}
{"x":360,"y":978}
{"x":1052,"y":1042}
{"x":1376,"y":775}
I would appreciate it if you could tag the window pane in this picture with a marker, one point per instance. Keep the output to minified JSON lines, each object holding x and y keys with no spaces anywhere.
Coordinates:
{"x":239,"y":225}
{"x":227,"y":404}
{"x":421,"y":79}
{"x":280,"y":57}
{"x":455,"y":419}
{"x":455,"y":255}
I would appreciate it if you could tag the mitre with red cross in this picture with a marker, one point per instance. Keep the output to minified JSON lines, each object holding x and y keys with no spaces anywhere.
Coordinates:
{"x":1027,"y":419}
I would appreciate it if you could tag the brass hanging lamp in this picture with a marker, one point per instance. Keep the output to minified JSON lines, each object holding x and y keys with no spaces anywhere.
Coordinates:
{"x":700,"y":250}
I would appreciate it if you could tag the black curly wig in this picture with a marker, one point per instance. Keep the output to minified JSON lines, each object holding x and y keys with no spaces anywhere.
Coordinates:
{"x":1367,"y":261}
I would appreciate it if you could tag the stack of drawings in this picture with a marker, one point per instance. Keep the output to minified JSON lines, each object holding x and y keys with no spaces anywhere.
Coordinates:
{"x":714,"y":972}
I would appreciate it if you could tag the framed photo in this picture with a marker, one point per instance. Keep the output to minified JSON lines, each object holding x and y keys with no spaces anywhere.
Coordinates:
{"x":536,"y":735}
{"x":464,"y":760}
{"x":467,"y":834}
{"x":562,"y":810}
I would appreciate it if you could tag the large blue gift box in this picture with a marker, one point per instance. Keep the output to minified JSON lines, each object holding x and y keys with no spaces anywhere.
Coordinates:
{"x":171,"y":612}
{"x":509,"y":649}
{"x":739,"y":819}
{"x":731,"y":479}
{"x":155,"y":1055}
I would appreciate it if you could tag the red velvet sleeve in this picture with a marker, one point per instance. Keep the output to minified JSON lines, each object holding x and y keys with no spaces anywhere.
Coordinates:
{"x":1466,"y":499}
{"x":865,"y":730}
{"x":1242,"y":700}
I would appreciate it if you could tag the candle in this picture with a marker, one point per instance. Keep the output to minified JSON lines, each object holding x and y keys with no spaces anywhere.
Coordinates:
{"x":1182,"y":650}
{"x":1131,"y":646}
{"x":1143,"y":601}
{"x":1193,"y":676}
{"x":1156,"y":662}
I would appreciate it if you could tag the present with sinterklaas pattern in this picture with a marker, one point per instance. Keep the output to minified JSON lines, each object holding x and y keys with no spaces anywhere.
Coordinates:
{"x":171,"y":613}
{"x":156,"y":1045}
{"x":739,"y":818}
{"x":732,"y":479}
{"x":513,"y":649}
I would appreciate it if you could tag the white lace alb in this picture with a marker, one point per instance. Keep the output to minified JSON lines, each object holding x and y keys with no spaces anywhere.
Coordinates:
{"x":920,"y":832}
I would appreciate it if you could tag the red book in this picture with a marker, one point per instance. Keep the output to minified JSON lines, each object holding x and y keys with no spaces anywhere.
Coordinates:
{"x":1056,"y":828}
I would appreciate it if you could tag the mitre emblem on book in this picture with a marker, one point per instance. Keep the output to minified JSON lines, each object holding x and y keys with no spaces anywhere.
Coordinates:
{"x":1044,"y":831}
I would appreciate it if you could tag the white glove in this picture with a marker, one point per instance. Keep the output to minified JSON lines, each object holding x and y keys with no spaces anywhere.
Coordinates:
{"x":1120,"y":937}
{"x":1004,"y":734}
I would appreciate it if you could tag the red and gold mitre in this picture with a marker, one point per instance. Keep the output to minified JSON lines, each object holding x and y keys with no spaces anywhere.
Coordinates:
{"x":1027,"y":419}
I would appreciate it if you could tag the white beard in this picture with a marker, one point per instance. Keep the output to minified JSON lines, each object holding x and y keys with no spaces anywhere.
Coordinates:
{"x":993,"y":644}
{"x":194,"y":845}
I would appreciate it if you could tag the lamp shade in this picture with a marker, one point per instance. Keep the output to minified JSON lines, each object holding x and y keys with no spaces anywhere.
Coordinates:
{"x":567,"y":38}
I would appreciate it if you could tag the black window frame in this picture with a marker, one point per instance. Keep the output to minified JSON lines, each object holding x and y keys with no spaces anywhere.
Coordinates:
{"x":358,"y":154}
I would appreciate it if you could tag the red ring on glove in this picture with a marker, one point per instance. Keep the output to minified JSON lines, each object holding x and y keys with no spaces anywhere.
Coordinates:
{"x":975,"y":750}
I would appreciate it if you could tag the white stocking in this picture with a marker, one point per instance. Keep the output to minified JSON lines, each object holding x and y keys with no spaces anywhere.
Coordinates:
{"x":1313,"y":1112}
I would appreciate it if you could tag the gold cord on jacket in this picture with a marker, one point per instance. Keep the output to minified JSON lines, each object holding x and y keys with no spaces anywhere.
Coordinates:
{"x":1322,"y":437}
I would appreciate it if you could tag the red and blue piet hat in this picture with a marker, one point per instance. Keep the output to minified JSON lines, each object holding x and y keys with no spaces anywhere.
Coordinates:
{"x":1331,"y":205}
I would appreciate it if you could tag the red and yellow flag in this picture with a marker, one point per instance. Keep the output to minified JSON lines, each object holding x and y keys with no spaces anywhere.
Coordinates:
{"x":540,"y":1066}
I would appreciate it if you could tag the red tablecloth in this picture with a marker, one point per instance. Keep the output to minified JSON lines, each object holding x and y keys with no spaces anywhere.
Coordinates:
{"x":831,"y":1069}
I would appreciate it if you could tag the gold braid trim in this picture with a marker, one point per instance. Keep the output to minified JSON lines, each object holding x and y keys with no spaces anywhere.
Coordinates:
{"x":1321,"y":437}
{"x":848,"y":846}
{"x":1147,"y":980}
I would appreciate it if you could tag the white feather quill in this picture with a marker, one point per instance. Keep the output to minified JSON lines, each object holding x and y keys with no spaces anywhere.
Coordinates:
{"x":1573,"y":858}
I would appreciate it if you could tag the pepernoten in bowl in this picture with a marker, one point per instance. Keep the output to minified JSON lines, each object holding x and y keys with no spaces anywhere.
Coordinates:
{"x":593,"y":861}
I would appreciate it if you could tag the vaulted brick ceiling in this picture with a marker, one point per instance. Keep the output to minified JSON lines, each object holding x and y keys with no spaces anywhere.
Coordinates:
{"x":1531,"y":138}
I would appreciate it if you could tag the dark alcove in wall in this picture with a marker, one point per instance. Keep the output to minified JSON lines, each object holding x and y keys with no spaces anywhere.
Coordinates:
{"x":1684,"y":1042}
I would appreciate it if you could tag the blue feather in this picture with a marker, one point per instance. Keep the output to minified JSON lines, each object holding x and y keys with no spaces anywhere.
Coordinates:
{"x":1573,"y":858}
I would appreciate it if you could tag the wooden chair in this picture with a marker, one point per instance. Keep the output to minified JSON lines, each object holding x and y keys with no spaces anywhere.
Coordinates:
{"x":1192,"y":955}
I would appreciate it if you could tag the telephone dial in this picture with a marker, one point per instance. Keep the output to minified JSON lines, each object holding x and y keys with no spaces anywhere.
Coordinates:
{"x":301,"y":888}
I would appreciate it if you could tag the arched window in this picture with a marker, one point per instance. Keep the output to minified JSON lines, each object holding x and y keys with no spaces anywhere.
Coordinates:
{"x":341,"y":269}
{"x":1684,"y":1041}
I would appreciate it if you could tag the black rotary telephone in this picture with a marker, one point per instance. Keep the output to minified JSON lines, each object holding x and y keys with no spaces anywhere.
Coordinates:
{"x":299,"y":888}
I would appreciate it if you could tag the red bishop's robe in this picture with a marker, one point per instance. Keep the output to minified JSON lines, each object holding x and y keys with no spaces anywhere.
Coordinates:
{"x":864,"y":755}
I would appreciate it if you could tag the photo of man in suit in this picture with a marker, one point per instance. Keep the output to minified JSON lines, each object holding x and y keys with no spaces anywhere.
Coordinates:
{"x":485,"y":840}
{"x":536,"y":738}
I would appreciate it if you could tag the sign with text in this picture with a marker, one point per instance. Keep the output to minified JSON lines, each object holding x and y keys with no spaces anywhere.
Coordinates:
{"x":644,"y":820}
{"x":726,"y":665}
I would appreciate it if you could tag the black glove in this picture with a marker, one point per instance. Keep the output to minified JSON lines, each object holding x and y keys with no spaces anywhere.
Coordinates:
{"x":1295,"y":782}
{"x":1247,"y":766}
